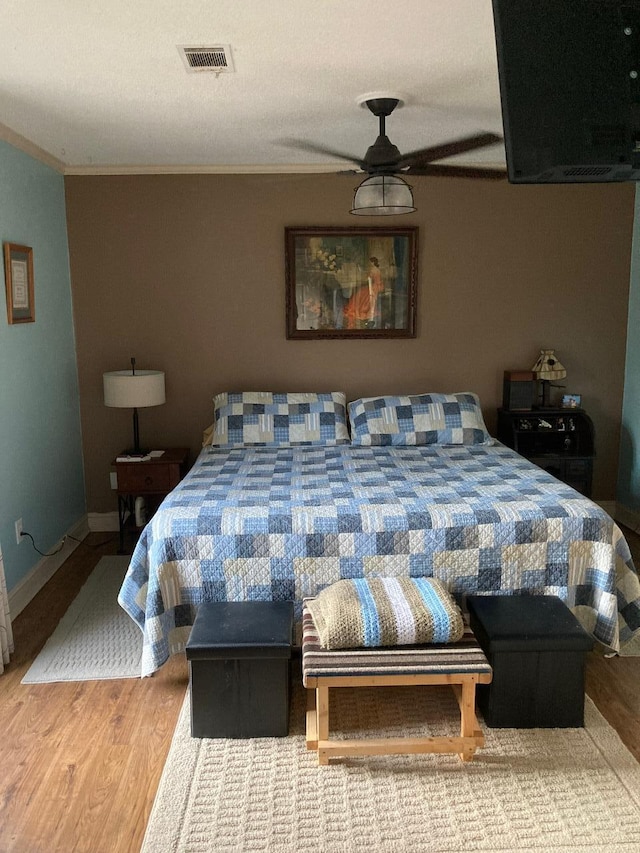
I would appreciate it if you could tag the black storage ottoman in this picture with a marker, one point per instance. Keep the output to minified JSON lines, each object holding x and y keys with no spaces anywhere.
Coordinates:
{"x":536,"y":648}
{"x":239,"y":655}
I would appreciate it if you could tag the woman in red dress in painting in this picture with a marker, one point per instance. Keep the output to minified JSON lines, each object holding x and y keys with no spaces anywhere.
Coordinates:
{"x":360,"y":309}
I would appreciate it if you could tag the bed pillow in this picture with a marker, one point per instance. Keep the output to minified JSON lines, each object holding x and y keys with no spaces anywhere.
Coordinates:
{"x":279,"y":420}
{"x":419,"y":419}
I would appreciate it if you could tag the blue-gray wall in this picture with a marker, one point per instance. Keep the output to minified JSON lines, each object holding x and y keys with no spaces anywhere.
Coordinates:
{"x":41,"y":471}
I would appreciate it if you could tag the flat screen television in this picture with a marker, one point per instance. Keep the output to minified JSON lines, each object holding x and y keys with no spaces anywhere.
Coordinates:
{"x":569,"y":74}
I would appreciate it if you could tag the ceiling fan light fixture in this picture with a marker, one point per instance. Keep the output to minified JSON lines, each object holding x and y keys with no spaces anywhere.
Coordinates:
{"x":383,"y":195}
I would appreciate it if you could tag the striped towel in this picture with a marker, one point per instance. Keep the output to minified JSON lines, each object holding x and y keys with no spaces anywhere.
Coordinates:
{"x":376,"y":612}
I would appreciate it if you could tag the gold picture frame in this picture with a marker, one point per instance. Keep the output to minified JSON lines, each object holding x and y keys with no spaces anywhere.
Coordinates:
{"x":18,"y":277}
{"x":351,"y":282}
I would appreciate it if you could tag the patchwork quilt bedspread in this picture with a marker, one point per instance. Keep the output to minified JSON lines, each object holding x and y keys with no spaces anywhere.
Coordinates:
{"x":262,"y":523}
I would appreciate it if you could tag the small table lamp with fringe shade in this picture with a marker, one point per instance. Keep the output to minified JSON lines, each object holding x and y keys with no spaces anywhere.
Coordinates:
{"x":547,"y":369}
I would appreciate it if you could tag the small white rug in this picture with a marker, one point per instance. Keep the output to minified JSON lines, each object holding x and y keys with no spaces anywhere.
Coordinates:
{"x":527,"y":791}
{"x":95,"y":639}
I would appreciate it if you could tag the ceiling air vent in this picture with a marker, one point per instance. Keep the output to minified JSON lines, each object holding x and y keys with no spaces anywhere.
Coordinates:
{"x":217,"y":59}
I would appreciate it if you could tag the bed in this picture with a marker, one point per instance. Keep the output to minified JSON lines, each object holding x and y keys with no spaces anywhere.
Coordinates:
{"x":282,"y":519}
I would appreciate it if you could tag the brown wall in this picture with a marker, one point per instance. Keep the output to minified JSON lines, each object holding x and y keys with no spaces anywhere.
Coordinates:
{"x":186,"y":273}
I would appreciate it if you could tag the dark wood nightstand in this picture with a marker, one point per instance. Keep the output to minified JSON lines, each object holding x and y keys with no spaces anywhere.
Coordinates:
{"x":152,"y":479}
{"x":562,"y":441}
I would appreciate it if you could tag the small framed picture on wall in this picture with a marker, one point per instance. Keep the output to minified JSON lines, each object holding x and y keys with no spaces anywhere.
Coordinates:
{"x":18,"y":277}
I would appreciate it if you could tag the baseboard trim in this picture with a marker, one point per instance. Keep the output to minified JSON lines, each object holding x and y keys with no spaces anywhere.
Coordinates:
{"x":100,"y":522}
{"x":44,"y":570}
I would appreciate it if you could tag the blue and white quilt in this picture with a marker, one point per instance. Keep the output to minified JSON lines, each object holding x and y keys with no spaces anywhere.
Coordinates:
{"x":282,"y":523}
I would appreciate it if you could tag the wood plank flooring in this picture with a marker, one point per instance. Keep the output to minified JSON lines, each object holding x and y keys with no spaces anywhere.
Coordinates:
{"x":81,"y":762}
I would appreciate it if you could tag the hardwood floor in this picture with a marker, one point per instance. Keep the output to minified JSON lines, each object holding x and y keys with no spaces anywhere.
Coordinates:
{"x":81,"y":762}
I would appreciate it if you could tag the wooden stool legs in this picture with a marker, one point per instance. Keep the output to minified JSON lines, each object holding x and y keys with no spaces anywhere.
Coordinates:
{"x":322,"y":717}
{"x":317,"y":727}
{"x":469,"y":731}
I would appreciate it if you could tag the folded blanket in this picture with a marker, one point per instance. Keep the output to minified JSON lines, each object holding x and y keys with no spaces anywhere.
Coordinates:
{"x":385,"y":612}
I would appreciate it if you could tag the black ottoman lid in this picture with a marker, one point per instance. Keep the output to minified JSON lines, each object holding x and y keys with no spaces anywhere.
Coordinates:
{"x":241,"y":629}
{"x":526,"y":623}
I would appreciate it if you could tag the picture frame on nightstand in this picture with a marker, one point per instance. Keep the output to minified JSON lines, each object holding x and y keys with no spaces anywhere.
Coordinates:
{"x":571,"y":401}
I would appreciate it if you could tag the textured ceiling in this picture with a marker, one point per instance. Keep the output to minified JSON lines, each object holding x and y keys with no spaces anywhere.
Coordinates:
{"x":101,"y":87}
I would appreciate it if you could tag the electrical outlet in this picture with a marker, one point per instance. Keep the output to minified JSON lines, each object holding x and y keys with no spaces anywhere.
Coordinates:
{"x":18,"y":531}
{"x":113,"y":479}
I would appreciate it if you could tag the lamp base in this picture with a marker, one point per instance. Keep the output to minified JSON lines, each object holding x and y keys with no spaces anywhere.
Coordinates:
{"x":545,"y":401}
{"x":135,"y":454}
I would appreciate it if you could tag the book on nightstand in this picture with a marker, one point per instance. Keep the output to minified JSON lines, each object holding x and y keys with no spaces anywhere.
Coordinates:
{"x":139,"y":457}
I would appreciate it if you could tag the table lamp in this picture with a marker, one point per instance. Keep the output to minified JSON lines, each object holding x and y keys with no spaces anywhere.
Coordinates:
{"x":548,"y":368}
{"x":134,"y":389}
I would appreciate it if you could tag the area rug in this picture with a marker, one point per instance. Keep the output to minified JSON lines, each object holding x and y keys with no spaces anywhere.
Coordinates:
{"x":95,"y":639}
{"x":527,"y":791}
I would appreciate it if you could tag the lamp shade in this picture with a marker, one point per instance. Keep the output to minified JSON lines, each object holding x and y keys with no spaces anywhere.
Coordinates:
{"x":127,"y":390}
{"x":383,"y":195}
{"x":548,"y":367}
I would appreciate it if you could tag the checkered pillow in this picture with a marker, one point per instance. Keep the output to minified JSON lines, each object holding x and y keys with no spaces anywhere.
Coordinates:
{"x":419,"y":419}
{"x":279,"y":420}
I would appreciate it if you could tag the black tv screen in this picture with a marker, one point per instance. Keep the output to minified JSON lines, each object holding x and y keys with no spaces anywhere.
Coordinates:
{"x":569,"y":75}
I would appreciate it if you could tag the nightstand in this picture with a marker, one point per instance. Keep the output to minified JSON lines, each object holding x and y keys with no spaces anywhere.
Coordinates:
{"x":562,"y":441}
{"x":152,"y":479}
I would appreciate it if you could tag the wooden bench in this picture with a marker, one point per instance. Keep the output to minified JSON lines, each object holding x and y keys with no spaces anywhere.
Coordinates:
{"x":462,"y":665}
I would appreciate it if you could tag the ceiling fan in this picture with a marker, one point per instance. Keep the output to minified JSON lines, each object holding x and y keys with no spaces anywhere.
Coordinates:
{"x":383,"y":158}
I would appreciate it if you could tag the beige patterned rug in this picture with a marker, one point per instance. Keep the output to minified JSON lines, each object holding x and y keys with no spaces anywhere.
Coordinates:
{"x":527,"y":791}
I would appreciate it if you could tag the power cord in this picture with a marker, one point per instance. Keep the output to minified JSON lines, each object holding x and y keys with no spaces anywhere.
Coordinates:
{"x":50,"y":553}
{"x":62,"y":544}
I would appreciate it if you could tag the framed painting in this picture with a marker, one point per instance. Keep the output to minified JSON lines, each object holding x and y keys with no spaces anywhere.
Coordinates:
{"x":351,"y":282}
{"x":18,"y":278}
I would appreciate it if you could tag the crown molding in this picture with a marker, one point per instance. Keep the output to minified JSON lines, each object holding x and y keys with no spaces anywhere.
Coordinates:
{"x":30,"y":148}
{"x":200,"y":170}
{"x":33,"y":150}
{"x":298,"y":169}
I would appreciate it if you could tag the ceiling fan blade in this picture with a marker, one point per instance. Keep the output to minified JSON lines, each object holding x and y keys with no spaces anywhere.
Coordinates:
{"x":301,"y":145}
{"x":441,"y":171}
{"x":448,"y":149}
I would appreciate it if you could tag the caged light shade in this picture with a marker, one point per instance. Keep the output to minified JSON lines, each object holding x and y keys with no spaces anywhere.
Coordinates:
{"x":383,"y":195}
